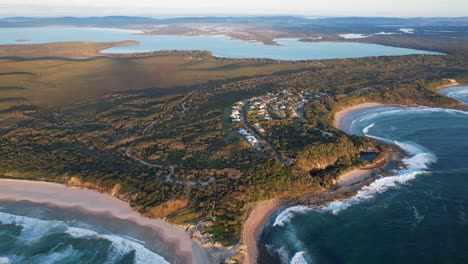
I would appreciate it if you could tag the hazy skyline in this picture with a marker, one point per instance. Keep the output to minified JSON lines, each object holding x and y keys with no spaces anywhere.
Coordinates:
{"x":395,"y":8}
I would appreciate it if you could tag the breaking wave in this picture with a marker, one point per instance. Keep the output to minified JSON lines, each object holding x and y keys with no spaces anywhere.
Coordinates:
{"x":458,"y":93}
{"x":396,"y":110}
{"x":33,"y":230}
{"x":366,"y":129}
{"x":299,"y":258}
{"x":285,"y":216}
{"x":417,"y":164}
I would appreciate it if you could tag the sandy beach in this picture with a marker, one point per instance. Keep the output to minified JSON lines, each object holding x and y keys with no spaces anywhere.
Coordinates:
{"x":354,"y":176}
{"x":253,"y":226}
{"x":452,"y":83}
{"x":62,"y":196}
{"x":339,"y":116}
{"x":359,"y":174}
{"x":264,"y":210}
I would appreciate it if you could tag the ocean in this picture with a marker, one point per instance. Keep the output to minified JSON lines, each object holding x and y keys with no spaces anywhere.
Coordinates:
{"x":418,"y":215}
{"x":38,"y":233}
{"x":221,"y":46}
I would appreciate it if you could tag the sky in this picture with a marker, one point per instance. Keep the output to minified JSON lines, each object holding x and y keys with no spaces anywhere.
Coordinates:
{"x":160,"y":8}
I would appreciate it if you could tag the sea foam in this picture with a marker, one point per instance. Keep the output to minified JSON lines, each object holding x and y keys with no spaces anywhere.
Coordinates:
{"x":417,"y":164}
{"x":298,"y":258}
{"x":366,"y":129}
{"x":33,"y":229}
{"x":457,"y":93}
{"x":285,"y":216}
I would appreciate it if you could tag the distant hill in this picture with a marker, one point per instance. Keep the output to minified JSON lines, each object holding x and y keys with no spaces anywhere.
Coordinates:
{"x":115,"y":21}
{"x":290,"y":24}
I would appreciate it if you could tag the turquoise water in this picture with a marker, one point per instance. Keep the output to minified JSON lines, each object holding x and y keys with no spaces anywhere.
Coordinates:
{"x":221,"y":46}
{"x":418,"y":215}
{"x":41,"y":234}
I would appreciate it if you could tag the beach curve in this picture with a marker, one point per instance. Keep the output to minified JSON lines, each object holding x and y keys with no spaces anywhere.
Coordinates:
{"x":94,"y":202}
{"x":260,"y":214}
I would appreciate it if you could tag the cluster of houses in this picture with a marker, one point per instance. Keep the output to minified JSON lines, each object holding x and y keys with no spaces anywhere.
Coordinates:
{"x":259,"y":129}
{"x":255,"y":142}
{"x":237,"y":111}
{"x":287,"y":103}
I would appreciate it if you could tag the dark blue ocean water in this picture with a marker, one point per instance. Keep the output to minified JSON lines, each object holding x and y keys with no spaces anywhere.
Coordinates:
{"x":221,"y":46}
{"x":41,"y":234}
{"x":419,"y":215}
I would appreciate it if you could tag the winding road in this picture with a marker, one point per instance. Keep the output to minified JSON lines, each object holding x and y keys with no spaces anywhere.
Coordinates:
{"x":276,"y":153}
{"x":169,"y":177}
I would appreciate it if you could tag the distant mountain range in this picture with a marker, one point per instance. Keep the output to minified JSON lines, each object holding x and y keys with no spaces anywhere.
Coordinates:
{"x":116,"y":21}
{"x":452,"y":27}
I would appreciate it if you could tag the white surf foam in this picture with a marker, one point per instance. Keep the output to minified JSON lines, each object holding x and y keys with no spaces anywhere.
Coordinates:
{"x":386,"y":33}
{"x":286,"y":216}
{"x":283,"y":255}
{"x":459,"y":94}
{"x":354,"y":36}
{"x":420,"y":158}
{"x":4,"y":260}
{"x":368,"y":192}
{"x":33,"y":229}
{"x":407,"y":30}
{"x":299,"y":258}
{"x":120,"y":247}
{"x":366,"y":129}
{"x":417,"y":164}
{"x":372,"y":114}
{"x":383,"y":111}
{"x":55,"y":257}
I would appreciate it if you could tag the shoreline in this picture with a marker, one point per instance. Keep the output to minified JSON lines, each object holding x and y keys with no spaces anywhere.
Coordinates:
{"x":253,"y":227}
{"x":71,"y":198}
{"x":341,"y":115}
{"x":348,"y":183}
{"x":354,"y":176}
{"x":453,"y":83}
{"x":351,"y":182}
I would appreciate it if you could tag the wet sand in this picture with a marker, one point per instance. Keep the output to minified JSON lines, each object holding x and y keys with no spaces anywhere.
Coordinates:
{"x":253,"y":227}
{"x":186,"y":250}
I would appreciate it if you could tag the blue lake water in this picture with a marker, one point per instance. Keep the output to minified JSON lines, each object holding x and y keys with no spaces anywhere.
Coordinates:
{"x":221,"y":46}
{"x":418,"y":215}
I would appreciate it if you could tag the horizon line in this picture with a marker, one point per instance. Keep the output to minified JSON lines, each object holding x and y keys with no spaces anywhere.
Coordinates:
{"x":235,"y":15}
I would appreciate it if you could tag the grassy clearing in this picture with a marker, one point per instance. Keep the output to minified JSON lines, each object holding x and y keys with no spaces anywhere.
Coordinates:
{"x":50,"y":82}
